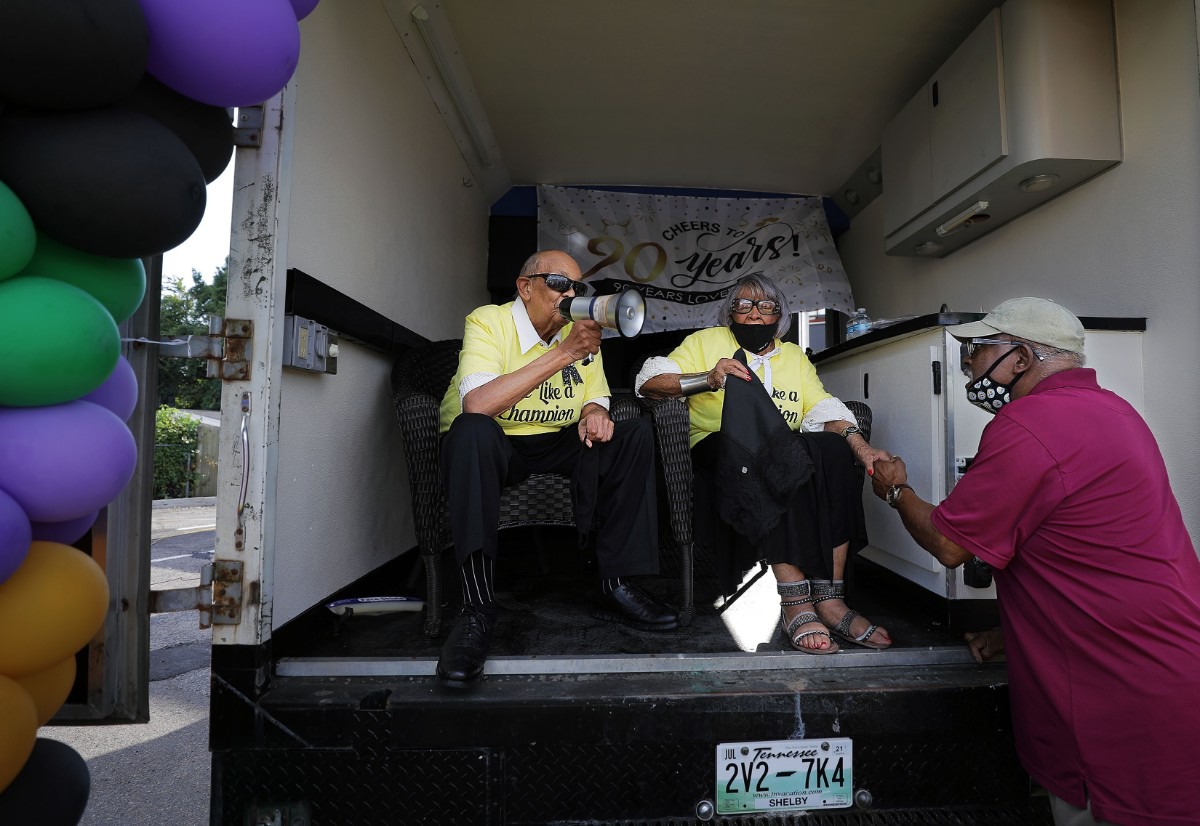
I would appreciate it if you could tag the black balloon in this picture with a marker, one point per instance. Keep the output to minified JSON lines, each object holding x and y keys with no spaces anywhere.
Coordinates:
{"x":51,"y":789}
{"x":110,"y":182}
{"x":207,"y":130}
{"x":71,"y":54}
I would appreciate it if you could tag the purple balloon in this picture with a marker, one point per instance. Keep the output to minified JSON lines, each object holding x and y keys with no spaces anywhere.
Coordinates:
{"x":119,"y":393}
{"x":303,"y":8}
{"x":67,"y":532}
{"x":223,"y":52}
{"x":64,"y":461}
{"x":15,"y":535}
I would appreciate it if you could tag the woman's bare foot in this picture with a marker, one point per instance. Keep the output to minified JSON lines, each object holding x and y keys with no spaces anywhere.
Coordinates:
{"x":801,"y":625}
{"x":806,"y":636}
{"x":830,"y":599}
{"x":833,"y":613}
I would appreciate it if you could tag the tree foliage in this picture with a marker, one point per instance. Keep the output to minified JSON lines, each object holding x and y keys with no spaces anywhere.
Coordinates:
{"x":175,"y":440}
{"x":184,"y":310}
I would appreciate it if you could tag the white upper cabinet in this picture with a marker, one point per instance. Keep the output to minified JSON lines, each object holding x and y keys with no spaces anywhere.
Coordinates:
{"x":951,"y":130}
{"x":1023,"y":110}
{"x":966,"y":110}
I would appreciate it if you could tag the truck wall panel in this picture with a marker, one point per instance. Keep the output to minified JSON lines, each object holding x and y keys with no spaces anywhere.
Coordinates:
{"x":379,"y":212}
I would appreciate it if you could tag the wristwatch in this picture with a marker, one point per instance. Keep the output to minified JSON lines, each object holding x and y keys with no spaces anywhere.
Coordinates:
{"x":893,"y":494}
{"x":850,"y":431}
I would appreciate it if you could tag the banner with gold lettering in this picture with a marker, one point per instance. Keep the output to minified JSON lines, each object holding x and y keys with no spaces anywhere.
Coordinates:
{"x":682,"y":253}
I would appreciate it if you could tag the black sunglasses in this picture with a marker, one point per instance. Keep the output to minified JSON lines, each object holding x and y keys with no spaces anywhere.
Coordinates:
{"x":560,"y":283}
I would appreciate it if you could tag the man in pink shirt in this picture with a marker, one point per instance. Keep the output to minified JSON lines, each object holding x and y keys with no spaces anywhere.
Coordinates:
{"x":1098,"y":583}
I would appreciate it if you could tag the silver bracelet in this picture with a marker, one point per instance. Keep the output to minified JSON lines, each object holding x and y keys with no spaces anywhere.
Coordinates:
{"x":691,"y":385}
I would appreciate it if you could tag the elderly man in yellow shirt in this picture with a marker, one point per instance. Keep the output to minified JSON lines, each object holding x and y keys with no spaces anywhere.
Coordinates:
{"x":527,"y":399}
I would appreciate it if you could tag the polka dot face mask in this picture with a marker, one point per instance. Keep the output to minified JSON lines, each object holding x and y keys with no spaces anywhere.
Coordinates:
{"x":988,"y":394}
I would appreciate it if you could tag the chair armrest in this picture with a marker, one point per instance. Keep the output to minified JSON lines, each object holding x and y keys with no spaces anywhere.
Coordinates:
{"x":622,"y":407}
{"x":862,"y":412}
{"x":671,"y":429}
{"x":419,"y":418}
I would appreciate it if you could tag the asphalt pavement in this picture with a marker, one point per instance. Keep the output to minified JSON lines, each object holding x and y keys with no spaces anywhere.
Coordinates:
{"x":158,"y":772}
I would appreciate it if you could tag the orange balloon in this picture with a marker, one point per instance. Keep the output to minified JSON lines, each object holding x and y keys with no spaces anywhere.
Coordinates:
{"x":49,"y":688}
{"x":49,"y":608}
{"x":18,"y":732}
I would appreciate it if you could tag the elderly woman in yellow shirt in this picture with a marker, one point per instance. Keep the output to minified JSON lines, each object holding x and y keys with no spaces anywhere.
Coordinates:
{"x":822,"y":522}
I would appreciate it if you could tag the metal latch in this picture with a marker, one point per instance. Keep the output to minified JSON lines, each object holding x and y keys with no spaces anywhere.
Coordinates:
{"x":218,"y":597}
{"x":227,"y":347}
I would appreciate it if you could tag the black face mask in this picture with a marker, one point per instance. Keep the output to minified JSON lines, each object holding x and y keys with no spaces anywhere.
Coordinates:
{"x":754,"y":337}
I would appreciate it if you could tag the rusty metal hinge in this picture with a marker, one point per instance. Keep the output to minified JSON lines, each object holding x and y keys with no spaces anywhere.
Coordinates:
{"x":227,"y":347}
{"x":218,"y":597}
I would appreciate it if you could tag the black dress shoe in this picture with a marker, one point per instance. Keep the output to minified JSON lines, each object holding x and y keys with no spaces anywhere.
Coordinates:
{"x":465,"y":650}
{"x":633,"y":606}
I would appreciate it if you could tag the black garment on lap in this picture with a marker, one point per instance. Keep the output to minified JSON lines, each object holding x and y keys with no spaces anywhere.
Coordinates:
{"x":822,"y":513}
{"x":759,"y":464}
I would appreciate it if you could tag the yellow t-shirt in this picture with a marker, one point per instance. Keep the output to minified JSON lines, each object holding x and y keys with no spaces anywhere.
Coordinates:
{"x":795,"y":386}
{"x":491,"y":344}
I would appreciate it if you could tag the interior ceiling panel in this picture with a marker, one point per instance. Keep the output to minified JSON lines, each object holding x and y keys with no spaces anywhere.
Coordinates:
{"x":770,"y":95}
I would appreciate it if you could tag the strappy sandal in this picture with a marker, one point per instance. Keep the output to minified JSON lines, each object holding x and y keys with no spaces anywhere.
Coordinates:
{"x":824,"y":589}
{"x":800,"y":593}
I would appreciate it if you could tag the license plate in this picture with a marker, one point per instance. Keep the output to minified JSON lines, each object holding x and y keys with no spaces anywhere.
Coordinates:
{"x":783,"y":775}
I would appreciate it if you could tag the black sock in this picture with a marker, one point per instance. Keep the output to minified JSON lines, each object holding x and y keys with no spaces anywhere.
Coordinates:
{"x":478,"y":578}
{"x":607,"y":586}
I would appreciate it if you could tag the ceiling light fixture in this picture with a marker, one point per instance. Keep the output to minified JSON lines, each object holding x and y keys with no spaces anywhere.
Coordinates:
{"x":433,"y":42}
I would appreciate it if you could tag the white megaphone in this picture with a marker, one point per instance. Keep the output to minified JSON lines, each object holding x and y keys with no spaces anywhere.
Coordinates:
{"x":624,"y":312}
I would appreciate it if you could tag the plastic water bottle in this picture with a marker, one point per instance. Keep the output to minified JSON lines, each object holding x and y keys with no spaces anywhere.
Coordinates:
{"x":858,"y":324}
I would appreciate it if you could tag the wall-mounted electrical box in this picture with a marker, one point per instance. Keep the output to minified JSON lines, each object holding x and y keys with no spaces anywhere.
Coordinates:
{"x":308,"y":345}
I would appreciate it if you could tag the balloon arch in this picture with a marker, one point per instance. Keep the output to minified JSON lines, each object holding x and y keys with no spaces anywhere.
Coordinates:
{"x":114,"y":115}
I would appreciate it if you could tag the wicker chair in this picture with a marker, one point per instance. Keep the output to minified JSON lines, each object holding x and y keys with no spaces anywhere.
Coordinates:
{"x":670,"y":417}
{"x":419,"y":380}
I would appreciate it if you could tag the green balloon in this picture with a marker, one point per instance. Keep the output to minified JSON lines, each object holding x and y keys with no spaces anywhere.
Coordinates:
{"x":59,"y":343}
{"x":17,"y":235}
{"x":118,"y":283}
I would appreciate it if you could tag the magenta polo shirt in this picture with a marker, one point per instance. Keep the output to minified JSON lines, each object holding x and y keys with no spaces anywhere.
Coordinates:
{"x":1099,"y":594}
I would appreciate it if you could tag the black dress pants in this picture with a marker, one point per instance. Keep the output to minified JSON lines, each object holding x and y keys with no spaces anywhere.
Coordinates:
{"x":478,"y":461}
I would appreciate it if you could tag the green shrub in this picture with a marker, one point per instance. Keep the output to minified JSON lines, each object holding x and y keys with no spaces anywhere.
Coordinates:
{"x":175,"y":471}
